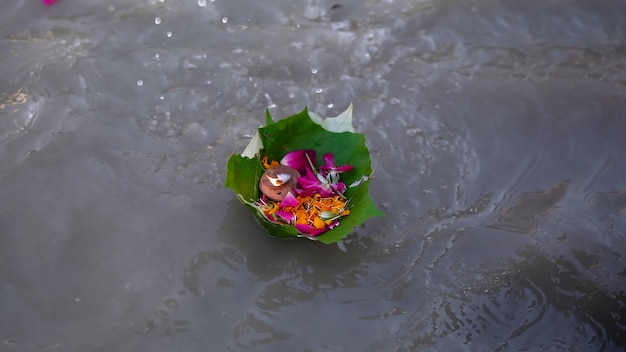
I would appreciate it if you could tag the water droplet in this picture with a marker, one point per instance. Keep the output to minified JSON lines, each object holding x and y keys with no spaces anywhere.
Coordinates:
{"x":169,"y":34}
{"x":161,"y":97}
{"x":111,"y":8}
{"x":319,"y":90}
{"x":313,"y":70}
{"x":330,"y":105}
{"x":140,"y":83}
{"x":157,"y":55}
{"x":202,"y":3}
{"x":224,"y":19}
{"x":157,"y":20}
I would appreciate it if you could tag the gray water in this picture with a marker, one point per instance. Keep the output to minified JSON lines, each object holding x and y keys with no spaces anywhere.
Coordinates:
{"x":496,"y":129}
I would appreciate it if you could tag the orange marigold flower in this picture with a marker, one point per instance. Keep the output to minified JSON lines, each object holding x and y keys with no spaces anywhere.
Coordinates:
{"x":270,"y":164}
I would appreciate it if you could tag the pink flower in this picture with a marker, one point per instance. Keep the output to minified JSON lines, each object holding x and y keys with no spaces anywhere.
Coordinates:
{"x":309,"y":230}
{"x":299,"y":159}
{"x":286,"y":215}
{"x":312,"y":184}
{"x":289,"y":201}
{"x":329,"y":159}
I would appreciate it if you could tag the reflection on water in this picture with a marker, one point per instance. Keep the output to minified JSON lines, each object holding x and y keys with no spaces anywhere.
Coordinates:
{"x":517,"y":306}
{"x":497,"y":138}
{"x":520,"y":217}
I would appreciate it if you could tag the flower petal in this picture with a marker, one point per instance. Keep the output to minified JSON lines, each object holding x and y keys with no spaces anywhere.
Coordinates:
{"x":297,"y":159}
{"x":309,"y":230}
{"x":318,"y":223}
{"x":329,"y":164}
{"x":329,"y":159}
{"x":312,"y":176}
{"x":340,"y":187}
{"x":333,"y":224}
{"x":286,"y":215}
{"x":343,"y":168}
{"x":363,"y":178}
{"x":289,"y":201}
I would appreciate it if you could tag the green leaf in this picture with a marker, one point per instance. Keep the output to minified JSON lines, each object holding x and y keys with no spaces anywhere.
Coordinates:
{"x":303,"y":131}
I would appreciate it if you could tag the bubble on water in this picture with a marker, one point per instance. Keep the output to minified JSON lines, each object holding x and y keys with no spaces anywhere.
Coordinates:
{"x":224,"y":19}
{"x":140,"y":83}
{"x":157,"y":20}
{"x":169,"y":34}
{"x":202,"y":3}
{"x":314,"y":70}
{"x":319,"y":90}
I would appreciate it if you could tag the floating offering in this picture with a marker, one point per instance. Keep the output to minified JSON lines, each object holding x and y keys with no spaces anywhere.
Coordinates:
{"x":305,"y":176}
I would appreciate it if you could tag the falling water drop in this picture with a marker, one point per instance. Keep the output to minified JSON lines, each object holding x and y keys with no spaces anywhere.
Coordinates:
{"x":314,"y":70}
{"x":330,"y":105}
{"x":319,"y":90}
{"x":140,"y":83}
{"x":169,"y":34}
{"x":224,"y":19}
{"x":157,"y":20}
{"x":202,"y":3}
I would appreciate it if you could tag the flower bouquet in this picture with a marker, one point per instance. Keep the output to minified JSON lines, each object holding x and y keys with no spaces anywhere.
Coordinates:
{"x":305,"y":176}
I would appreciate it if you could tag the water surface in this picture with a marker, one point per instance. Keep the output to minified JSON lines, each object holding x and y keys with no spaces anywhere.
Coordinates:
{"x":497,"y":136}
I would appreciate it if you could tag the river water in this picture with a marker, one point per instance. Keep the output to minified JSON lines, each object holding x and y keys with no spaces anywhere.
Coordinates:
{"x":497,"y":134}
